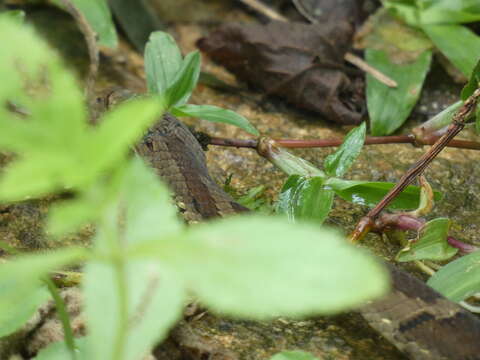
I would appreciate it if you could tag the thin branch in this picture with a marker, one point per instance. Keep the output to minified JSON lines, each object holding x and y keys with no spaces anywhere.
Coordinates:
{"x":321,"y":143}
{"x":458,"y":123}
{"x":425,"y":268}
{"x":91,"y":39}
{"x":369,"y":140}
{"x":361,"y":64}
{"x":238,"y":143}
{"x":265,"y":10}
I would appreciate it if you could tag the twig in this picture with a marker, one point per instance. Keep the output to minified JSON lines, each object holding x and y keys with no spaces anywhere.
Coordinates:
{"x":349,"y":57}
{"x":265,"y":10}
{"x":320,"y":143}
{"x":425,"y":268}
{"x":238,"y":143}
{"x":361,"y":64}
{"x":458,"y":123}
{"x":91,"y":40}
{"x":406,"y":222}
{"x":304,"y":12}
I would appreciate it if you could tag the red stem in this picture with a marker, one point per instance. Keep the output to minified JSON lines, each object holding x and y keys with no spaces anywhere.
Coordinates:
{"x":369,"y":140}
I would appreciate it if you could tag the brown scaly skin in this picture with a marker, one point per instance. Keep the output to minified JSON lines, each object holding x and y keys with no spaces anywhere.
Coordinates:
{"x":415,"y":318}
{"x":173,"y":151}
{"x":177,"y":157}
{"x":422,"y":323}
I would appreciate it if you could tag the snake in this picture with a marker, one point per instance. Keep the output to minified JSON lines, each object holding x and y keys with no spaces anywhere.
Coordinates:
{"x":419,"y":321}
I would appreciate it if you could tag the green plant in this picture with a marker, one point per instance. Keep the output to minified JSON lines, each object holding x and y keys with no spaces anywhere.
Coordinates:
{"x":176,"y":77}
{"x":97,"y":15}
{"x":401,"y":44}
{"x":309,"y":192}
{"x":143,"y":260}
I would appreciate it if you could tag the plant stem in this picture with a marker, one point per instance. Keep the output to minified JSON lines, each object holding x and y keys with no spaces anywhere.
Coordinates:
{"x":265,"y":10}
{"x":426,"y":269}
{"x":319,"y":143}
{"x":121,"y":337}
{"x":238,"y":143}
{"x":439,"y":121}
{"x":463,"y":247}
{"x":116,"y":258}
{"x":92,"y":45}
{"x":64,"y":317}
{"x":458,"y":123}
{"x":363,"y":65}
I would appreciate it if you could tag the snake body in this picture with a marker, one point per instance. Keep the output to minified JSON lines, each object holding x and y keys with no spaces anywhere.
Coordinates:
{"x":177,"y":157}
{"x":415,"y":318}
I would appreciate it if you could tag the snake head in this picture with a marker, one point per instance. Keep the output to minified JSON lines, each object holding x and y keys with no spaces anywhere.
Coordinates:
{"x":117,"y":96}
{"x":107,"y":99}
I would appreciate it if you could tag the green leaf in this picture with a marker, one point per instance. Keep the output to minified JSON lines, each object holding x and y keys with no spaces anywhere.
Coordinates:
{"x":463,"y":54}
{"x":473,"y":83}
{"x":370,"y":193}
{"x":431,"y":245}
{"x":255,"y":199}
{"x":427,"y":12}
{"x":117,"y":132}
{"x":405,"y":10}
{"x":99,"y":18}
{"x":69,"y":215}
{"x":338,"y":163}
{"x":22,"y":310}
{"x":162,"y":62}
{"x":59,"y":152}
{"x":448,"y":11}
{"x":138,"y":20}
{"x":263,"y":267}
{"x":426,"y":201}
{"x":293,"y":355}
{"x":305,"y":199}
{"x":49,"y":173}
{"x":458,"y":279}
{"x":149,"y":213}
{"x":46,"y":139}
{"x":21,"y":289}
{"x":17,"y":15}
{"x":215,"y":114}
{"x":185,"y":80}
{"x":148,"y":203}
{"x":32,"y":66}
{"x":133,"y":291}
{"x":291,"y":164}
{"x":130,"y":321}
{"x":59,"y":351}
{"x":390,"y":107}
{"x":77,"y":165}
{"x":400,"y":41}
